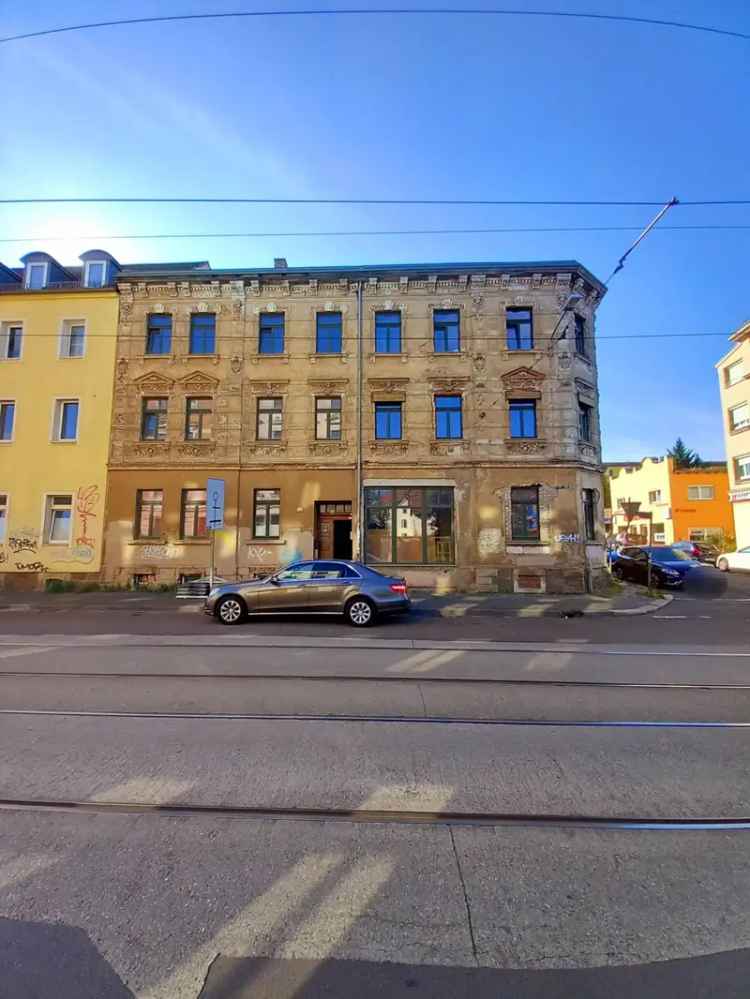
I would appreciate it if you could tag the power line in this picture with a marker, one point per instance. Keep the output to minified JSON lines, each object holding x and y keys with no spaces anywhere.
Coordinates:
{"x":222,"y":337}
{"x":370,"y":12}
{"x":366,"y":232}
{"x":550,"y":203}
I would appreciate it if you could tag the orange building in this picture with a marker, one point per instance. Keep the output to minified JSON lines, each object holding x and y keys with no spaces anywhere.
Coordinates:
{"x":654,"y":502}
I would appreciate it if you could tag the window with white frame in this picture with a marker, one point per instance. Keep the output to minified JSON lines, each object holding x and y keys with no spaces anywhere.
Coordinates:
{"x":3,"y":515}
{"x":654,"y":496}
{"x":739,"y":416}
{"x":95,"y":273}
{"x":734,"y":373}
{"x":73,"y":338}
{"x":36,"y":275}
{"x":65,"y":420}
{"x":58,"y":519}
{"x":742,"y":468}
{"x":701,"y":492}
{"x":11,"y":341}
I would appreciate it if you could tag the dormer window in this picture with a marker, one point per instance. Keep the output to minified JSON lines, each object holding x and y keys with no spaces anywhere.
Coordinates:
{"x":36,"y":275}
{"x":95,"y":273}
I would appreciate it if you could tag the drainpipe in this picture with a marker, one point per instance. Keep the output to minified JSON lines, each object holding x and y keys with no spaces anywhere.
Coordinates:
{"x":359,"y":553}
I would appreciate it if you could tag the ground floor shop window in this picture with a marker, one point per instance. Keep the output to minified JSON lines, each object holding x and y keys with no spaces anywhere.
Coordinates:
{"x":410,"y":524}
{"x":589,"y":514}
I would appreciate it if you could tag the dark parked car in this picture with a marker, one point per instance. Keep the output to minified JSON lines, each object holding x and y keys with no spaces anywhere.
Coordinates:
{"x":701,"y":551}
{"x":323,"y":587}
{"x":669,"y":566}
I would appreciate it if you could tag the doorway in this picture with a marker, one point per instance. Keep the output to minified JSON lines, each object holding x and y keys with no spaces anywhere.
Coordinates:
{"x":333,"y":533}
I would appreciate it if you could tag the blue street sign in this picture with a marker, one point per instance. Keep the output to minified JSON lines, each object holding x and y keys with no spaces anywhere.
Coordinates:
{"x":215,"y":504}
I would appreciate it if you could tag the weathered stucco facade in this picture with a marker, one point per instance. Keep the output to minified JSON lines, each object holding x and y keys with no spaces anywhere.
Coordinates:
{"x":510,"y":347}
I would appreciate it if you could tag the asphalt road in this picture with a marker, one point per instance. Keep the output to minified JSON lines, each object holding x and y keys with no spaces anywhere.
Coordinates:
{"x":96,"y":903}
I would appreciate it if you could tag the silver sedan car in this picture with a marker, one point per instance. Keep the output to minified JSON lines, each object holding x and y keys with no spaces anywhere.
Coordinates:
{"x":328,"y":587}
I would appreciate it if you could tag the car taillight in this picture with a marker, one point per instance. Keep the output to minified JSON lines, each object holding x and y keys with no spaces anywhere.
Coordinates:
{"x":399,"y":588}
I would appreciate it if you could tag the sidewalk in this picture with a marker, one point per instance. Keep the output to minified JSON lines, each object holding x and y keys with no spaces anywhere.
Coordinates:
{"x":630,"y":601}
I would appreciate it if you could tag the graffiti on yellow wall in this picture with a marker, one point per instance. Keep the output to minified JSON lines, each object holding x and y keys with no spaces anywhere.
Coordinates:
{"x":87,"y":498}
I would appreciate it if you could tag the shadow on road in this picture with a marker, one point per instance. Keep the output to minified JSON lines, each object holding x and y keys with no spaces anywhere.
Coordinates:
{"x":724,"y":975}
{"x":52,"y":959}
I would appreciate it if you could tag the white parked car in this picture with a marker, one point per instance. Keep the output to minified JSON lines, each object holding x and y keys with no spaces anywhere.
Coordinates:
{"x":734,"y":560}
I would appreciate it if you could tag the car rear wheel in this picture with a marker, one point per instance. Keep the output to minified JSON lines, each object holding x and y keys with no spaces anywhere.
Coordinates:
{"x":231,"y":610}
{"x":617,"y":572}
{"x":360,"y":613}
{"x":723,"y":565}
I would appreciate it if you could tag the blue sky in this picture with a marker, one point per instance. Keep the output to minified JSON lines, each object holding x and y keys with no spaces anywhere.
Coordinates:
{"x":416,"y":106}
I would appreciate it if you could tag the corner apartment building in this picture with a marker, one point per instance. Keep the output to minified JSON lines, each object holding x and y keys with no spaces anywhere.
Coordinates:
{"x":58,"y":329}
{"x":670,"y":503}
{"x":440,"y":421}
{"x":734,"y":387}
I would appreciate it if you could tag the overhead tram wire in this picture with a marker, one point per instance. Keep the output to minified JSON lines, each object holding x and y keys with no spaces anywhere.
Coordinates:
{"x":388,"y":11}
{"x":370,"y":232}
{"x":479,"y":202}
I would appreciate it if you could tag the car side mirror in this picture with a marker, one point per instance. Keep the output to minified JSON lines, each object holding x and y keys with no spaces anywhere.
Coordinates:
{"x":274,"y":581}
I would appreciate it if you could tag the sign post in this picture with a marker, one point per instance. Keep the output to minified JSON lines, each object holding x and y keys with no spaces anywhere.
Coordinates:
{"x":214,"y":518}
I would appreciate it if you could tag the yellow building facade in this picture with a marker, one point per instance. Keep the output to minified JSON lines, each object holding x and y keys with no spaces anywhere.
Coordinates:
{"x":58,"y":330}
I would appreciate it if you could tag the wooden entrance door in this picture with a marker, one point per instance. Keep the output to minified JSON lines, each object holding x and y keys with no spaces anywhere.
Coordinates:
{"x":334,"y":530}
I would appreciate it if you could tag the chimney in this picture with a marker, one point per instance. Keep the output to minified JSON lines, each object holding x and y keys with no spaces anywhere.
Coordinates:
{"x":280,"y":264}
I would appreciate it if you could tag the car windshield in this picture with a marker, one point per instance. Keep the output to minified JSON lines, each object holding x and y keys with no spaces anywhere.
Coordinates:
{"x":668,"y":555}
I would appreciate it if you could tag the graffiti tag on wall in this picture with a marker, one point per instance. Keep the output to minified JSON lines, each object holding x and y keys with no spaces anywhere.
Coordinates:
{"x":31,"y":566}
{"x":87,"y":498}
{"x":24,"y":543}
{"x":569,"y":538}
{"x":257,"y":554}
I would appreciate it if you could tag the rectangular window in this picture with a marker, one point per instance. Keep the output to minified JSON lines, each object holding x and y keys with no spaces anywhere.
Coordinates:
{"x":448,"y":416}
{"x":7,"y":419}
{"x":193,"y":516}
{"x":734,"y":373}
{"x":198,"y":419}
{"x":328,"y":333}
{"x":95,"y":273}
{"x":270,"y":419}
{"x":584,"y":421}
{"x":446,"y":331}
{"x":36,"y":276}
{"x":11,"y":341}
{"x":58,"y":520}
{"x":271,"y":336}
{"x":519,"y":329}
{"x":328,"y":419}
{"x":66,"y":420}
{"x":158,"y":334}
{"x":409,"y":525}
{"x":154,"y":420}
{"x":203,"y":333}
{"x":388,"y":424}
{"x":580,"y":335}
{"x":739,"y":416}
{"x":701,"y":492}
{"x":589,"y":514}
{"x":387,"y":332}
{"x":266,"y":513}
{"x":654,"y":496}
{"x":73,"y":338}
{"x":524,"y":513}
{"x":149,"y":508}
{"x":523,"y":418}
{"x":3,"y":516}
{"x":742,"y":468}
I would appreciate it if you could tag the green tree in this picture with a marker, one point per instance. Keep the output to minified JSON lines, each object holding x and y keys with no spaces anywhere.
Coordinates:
{"x":683,"y":456}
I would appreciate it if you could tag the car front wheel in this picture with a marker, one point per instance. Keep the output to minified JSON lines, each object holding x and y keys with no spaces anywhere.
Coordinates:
{"x":617,"y":572}
{"x":231,"y":610}
{"x":723,"y":565}
{"x":360,"y":613}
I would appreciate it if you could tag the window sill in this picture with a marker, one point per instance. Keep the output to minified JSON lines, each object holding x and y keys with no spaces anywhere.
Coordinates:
{"x":143,"y":542}
{"x":450,"y":353}
{"x":54,"y":441}
{"x":11,"y":441}
{"x":211,"y":354}
{"x":193,"y":541}
{"x":387,"y":353}
{"x":522,"y":350}
{"x":527,"y":544}
{"x":738,"y":430}
{"x":280,"y":356}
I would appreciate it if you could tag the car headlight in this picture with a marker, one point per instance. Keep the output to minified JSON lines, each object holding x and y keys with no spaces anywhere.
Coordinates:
{"x":214,"y":592}
{"x":671,"y":572}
